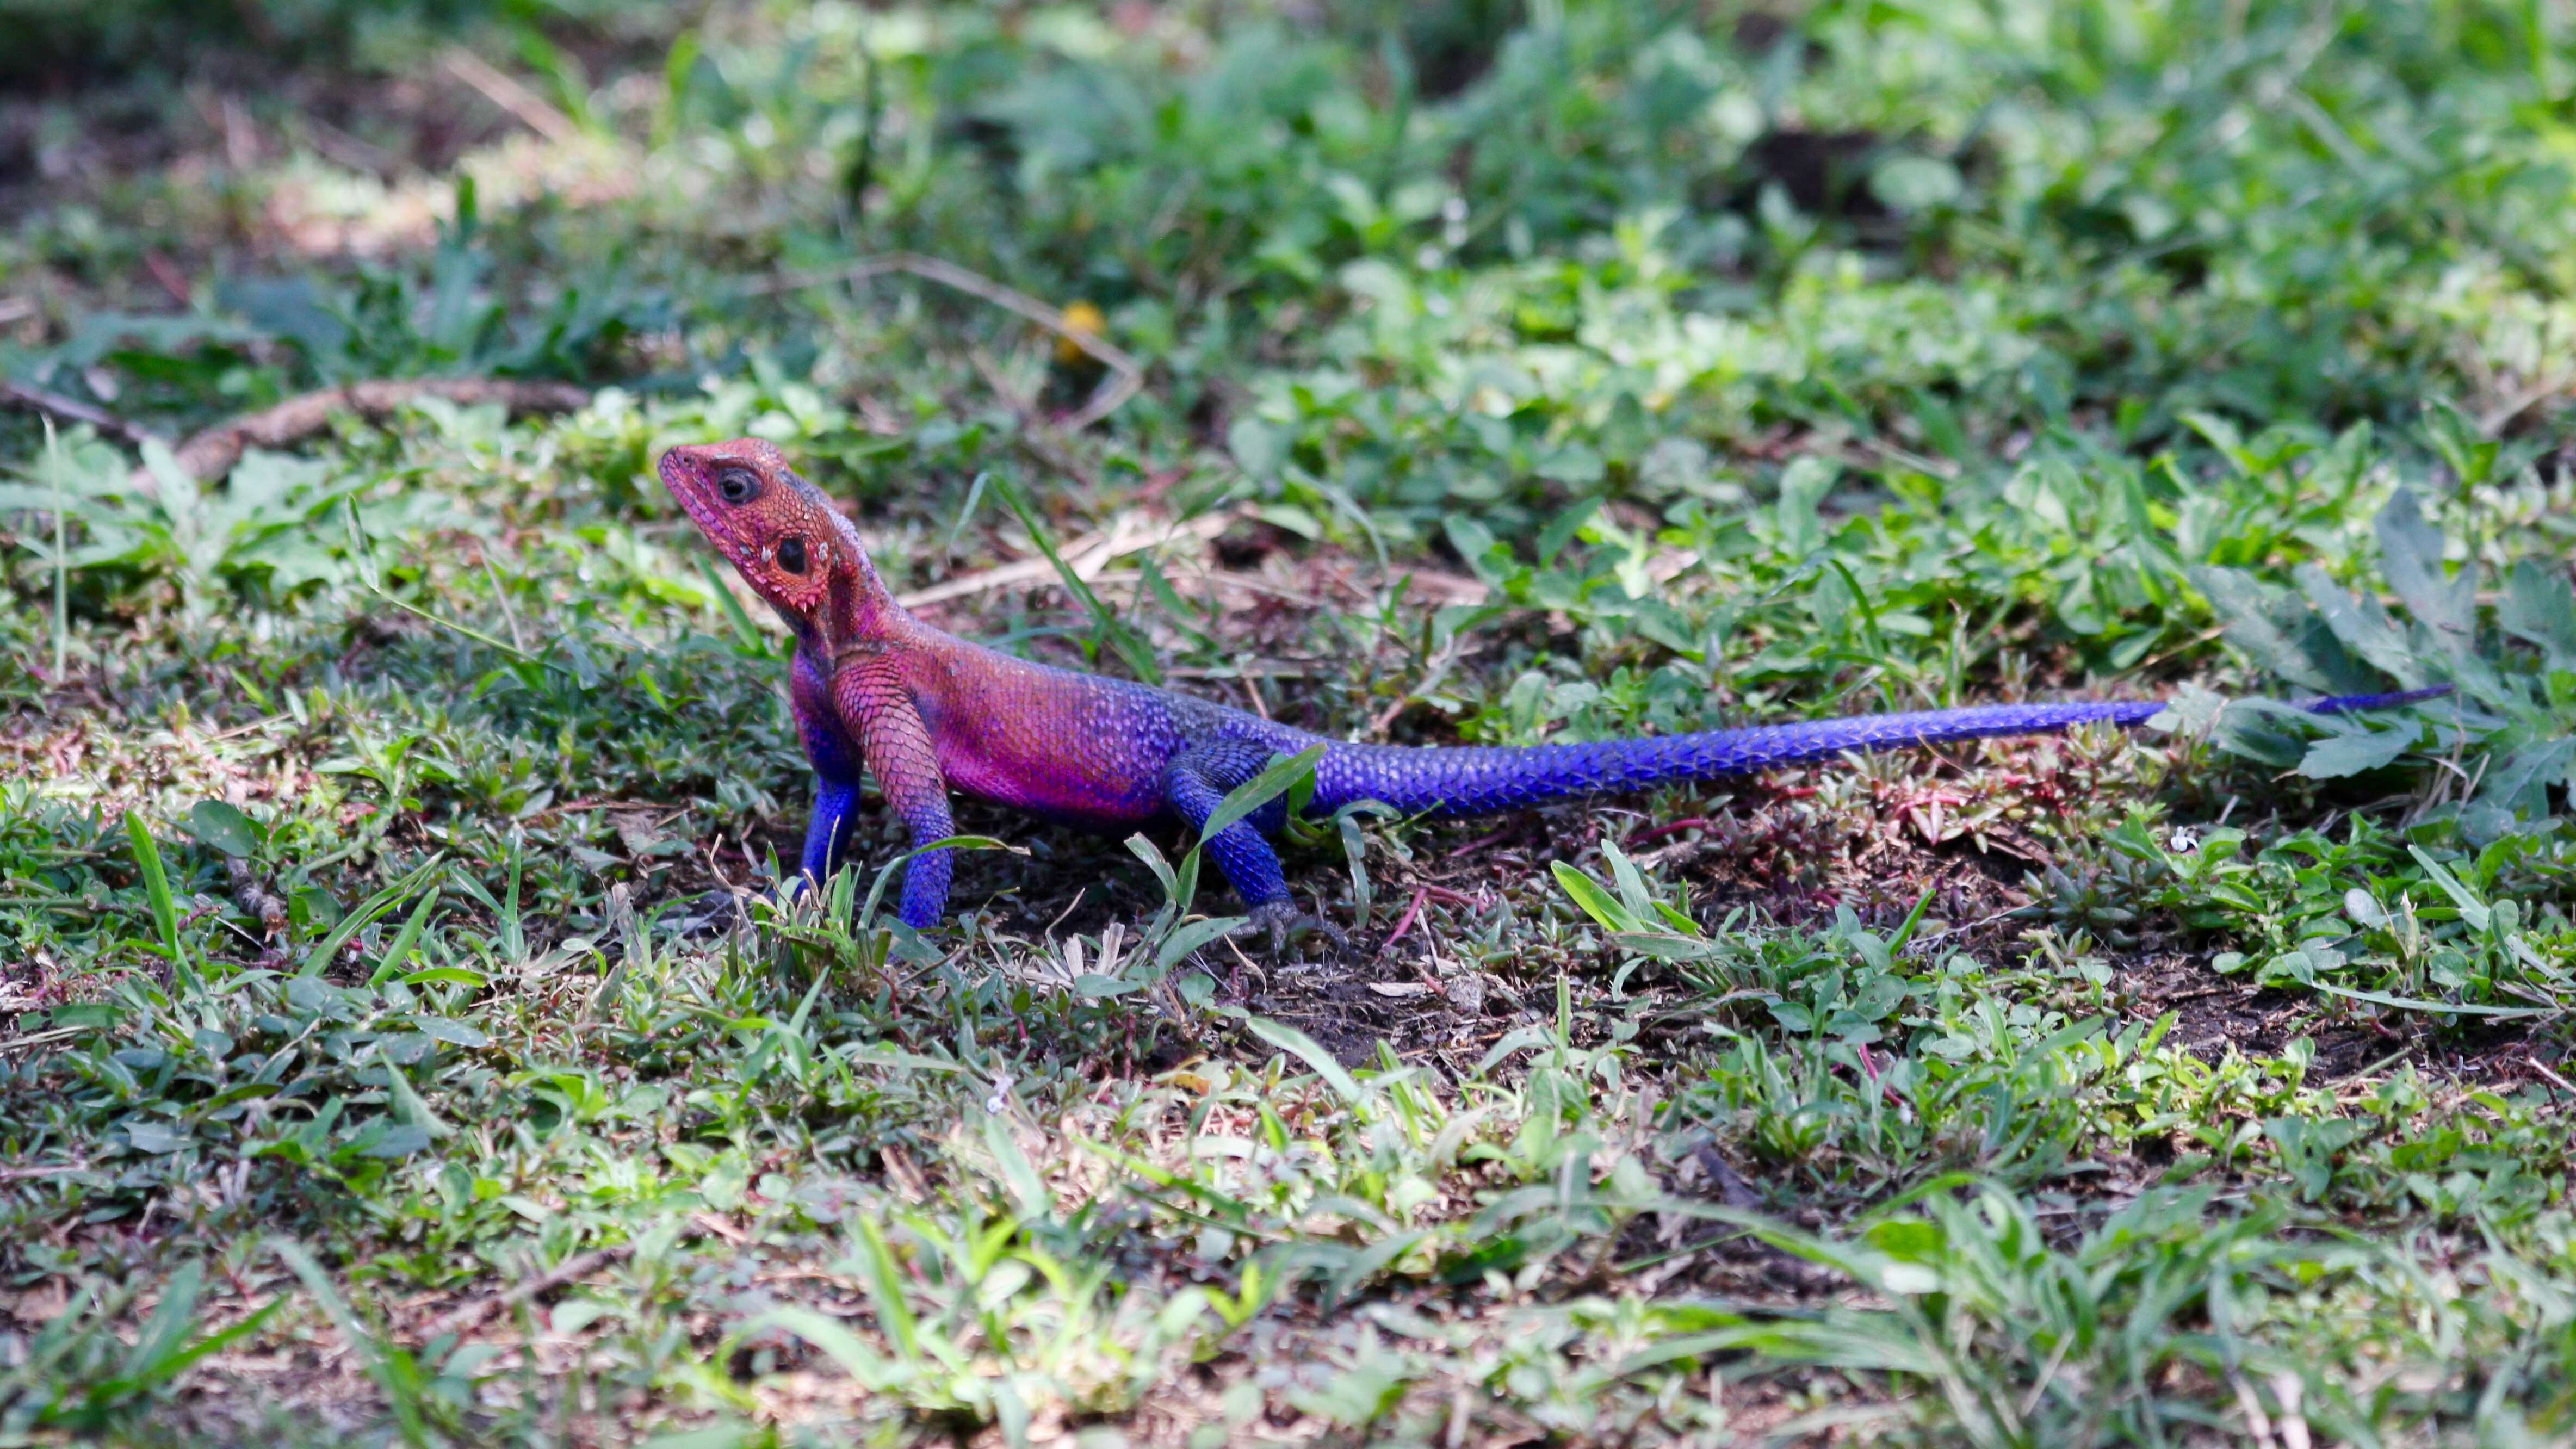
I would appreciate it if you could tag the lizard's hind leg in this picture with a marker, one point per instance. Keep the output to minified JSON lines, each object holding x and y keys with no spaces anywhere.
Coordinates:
{"x":1195,"y":783}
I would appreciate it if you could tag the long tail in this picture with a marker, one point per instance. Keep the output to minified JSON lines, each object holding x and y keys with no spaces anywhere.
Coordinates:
{"x":1481,"y":780}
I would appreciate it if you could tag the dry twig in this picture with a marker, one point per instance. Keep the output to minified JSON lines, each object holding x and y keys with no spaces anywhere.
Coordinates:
{"x":211,"y":454}
{"x":1086,"y":556}
{"x":71,"y":410}
{"x":578,"y":1266}
{"x":501,"y":90}
{"x":57,"y":1169}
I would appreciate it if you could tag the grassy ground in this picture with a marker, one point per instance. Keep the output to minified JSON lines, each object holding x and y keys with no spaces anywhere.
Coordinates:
{"x":402,"y":1045}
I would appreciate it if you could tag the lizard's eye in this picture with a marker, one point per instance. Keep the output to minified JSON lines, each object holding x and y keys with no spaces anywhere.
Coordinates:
{"x":738,"y":486}
{"x":791,"y":555}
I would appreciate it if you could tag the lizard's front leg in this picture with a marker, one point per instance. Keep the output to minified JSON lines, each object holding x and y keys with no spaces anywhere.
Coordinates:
{"x":872,"y":701}
{"x":835,"y":758}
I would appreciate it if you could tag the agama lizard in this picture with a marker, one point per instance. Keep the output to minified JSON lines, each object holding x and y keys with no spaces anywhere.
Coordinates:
{"x":928,"y":713}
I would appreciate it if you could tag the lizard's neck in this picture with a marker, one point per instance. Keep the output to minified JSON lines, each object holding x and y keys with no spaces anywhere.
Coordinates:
{"x":860,"y":613}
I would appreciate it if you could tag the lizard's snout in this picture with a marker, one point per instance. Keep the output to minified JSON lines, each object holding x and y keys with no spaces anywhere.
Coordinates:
{"x":690,"y":475}
{"x":683,"y":470}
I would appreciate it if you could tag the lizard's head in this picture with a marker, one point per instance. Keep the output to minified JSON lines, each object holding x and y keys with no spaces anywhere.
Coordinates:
{"x":778,"y":530}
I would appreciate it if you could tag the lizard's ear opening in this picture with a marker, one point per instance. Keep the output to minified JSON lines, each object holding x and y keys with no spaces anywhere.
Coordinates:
{"x":791,"y":554}
{"x":737,"y":486}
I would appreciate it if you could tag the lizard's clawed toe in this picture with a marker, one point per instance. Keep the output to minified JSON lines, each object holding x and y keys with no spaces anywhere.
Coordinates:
{"x":1282,"y":919}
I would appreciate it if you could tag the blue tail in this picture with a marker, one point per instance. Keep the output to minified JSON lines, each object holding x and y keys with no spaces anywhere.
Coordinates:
{"x":1481,"y":780}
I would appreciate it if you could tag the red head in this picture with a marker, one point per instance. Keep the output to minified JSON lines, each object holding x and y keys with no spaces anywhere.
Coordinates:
{"x":778,"y":530}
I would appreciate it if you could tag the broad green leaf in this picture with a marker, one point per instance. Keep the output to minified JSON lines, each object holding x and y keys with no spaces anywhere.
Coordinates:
{"x":1471,"y":539}
{"x":2247,"y":611}
{"x":2362,"y":625}
{"x":1258,"y":447}
{"x":2472,"y":910}
{"x":723,"y":1434}
{"x":2539,"y":607}
{"x":1632,"y":882}
{"x":1144,"y":849}
{"x":155,"y":1138}
{"x":1193,"y":935}
{"x":885,"y":1287}
{"x":1803,"y":486}
{"x":2340,"y":755}
{"x":170,"y":1322}
{"x":392,"y":1369}
{"x":409,"y":1107}
{"x":1561,"y":530}
{"x":2410,"y":550}
{"x":164,"y":1364}
{"x":454,"y":1033}
{"x":2223,"y":436}
{"x":2520,"y":781}
{"x":18,"y":498}
{"x":1916,"y":183}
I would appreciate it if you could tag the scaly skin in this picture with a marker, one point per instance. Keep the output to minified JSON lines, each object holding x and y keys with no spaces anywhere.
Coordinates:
{"x":929,"y":713}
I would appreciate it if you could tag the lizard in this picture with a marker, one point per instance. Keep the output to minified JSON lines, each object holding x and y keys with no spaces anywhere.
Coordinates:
{"x":928,"y":713}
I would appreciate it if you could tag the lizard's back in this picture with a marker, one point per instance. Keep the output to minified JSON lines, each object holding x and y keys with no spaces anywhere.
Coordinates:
{"x":1079,"y":749}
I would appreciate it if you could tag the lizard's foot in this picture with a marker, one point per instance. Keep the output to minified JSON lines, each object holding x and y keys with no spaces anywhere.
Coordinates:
{"x":1282,"y":919}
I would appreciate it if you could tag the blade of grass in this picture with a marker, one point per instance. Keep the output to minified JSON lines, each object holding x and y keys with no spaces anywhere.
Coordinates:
{"x":2410,"y":1003}
{"x":1130,"y":647}
{"x":372,"y":580}
{"x":864,"y":1366}
{"x":745,"y":632}
{"x":384,"y":1363}
{"x":1276,"y":779}
{"x":405,"y":939}
{"x":366,"y":914}
{"x":62,"y":558}
{"x":1305,"y":1048}
{"x":165,"y":908}
{"x":885,"y":1287}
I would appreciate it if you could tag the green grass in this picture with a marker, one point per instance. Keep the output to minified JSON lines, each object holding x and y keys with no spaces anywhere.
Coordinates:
{"x":403,"y":1045}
